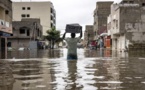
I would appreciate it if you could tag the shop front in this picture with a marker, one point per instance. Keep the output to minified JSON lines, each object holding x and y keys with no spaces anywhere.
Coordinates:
{"x":5,"y":32}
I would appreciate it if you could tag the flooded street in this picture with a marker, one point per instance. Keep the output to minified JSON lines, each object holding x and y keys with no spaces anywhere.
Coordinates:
{"x":94,"y":70}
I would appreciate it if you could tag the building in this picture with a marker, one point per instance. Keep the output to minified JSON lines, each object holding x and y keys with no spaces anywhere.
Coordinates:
{"x":141,"y":2}
{"x":88,"y":35}
{"x":42,"y":10}
{"x":24,"y":32}
{"x":5,"y":25}
{"x":126,"y":25}
{"x":101,"y":13}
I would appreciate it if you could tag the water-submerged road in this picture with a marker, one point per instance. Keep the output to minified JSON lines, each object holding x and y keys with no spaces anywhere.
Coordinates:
{"x":94,"y":70}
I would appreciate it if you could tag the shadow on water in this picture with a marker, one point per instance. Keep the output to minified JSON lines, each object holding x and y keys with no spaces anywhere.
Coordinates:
{"x":94,"y":70}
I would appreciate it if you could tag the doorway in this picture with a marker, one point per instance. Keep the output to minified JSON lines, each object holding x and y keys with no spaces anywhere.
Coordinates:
{"x":3,"y":48}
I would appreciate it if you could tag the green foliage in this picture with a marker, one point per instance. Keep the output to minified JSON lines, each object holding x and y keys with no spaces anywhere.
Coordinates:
{"x":53,"y":34}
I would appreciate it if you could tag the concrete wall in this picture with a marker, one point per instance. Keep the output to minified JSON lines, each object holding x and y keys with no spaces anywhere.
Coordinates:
{"x":22,"y":39}
{"x":131,"y":25}
{"x":101,"y":13}
{"x":6,"y":16}
{"x":89,"y":31}
{"x":134,"y":27}
{"x":40,"y":10}
{"x":17,"y":43}
{"x":5,"y":25}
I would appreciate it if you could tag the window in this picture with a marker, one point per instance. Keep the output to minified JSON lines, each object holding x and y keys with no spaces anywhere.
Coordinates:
{"x":7,"y":12}
{"x":143,"y":4}
{"x":131,"y":1}
{"x":51,"y":25}
{"x":22,"y":31}
{"x":51,"y":10}
{"x":9,"y":44}
{"x":28,"y":8}
{"x":117,"y":24}
{"x":94,"y":23}
{"x":51,"y":17}
{"x":23,"y":8}
{"x":28,"y":32}
{"x":28,"y":15}
{"x":124,"y":1}
{"x":23,"y":15}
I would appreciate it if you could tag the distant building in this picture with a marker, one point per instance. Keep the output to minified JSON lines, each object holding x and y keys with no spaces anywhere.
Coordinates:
{"x":126,"y":25}
{"x":5,"y":24}
{"x":101,"y":13}
{"x":25,"y":31}
{"x":42,"y":10}
{"x":141,"y":2}
{"x":88,"y":34}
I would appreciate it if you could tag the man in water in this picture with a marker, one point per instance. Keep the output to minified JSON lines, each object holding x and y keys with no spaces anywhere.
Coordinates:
{"x":72,"y":46}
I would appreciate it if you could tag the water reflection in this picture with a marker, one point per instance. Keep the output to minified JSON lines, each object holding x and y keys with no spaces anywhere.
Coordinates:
{"x":57,"y":53}
{"x":136,"y":53}
{"x":6,"y":76}
{"x":72,"y":75}
{"x":94,"y":70}
{"x":98,"y":53}
{"x":35,"y":54}
{"x":3,"y":54}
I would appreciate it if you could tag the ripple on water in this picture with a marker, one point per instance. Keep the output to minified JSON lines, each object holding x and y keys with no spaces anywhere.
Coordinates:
{"x":83,"y":74}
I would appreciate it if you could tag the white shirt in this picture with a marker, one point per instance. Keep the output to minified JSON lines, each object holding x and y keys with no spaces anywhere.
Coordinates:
{"x":72,"y":45}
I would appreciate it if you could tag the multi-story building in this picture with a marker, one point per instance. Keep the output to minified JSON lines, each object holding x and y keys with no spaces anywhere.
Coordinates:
{"x":101,"y":13}
{"x":132,"y":2}
{"x":42,"y":10}
{"x":126,"y":25}
{"x":24,"y":32}
{"x":88,"y":35}
{"x":5,"y":24}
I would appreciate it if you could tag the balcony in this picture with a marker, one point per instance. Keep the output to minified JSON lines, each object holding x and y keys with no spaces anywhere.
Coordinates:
{"x":115,"y":31}
{"x":7,"y":4}
{"x":5,"y":27}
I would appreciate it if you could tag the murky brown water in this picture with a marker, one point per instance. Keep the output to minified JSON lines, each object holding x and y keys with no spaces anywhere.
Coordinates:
{"x":94,"y":70}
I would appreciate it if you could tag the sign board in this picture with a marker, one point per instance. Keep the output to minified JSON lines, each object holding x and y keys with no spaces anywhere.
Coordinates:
{"x":73,"y":28}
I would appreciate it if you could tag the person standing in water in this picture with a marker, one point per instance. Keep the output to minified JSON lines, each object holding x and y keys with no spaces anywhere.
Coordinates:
{"x":72,"y":45}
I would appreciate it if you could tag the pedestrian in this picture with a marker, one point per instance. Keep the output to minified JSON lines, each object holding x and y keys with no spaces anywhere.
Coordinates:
{"x":72,"y":45}
{"x":101,"y":43}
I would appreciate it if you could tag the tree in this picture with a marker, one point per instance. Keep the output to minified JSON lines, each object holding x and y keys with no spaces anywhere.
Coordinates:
{"x":53,"y":36}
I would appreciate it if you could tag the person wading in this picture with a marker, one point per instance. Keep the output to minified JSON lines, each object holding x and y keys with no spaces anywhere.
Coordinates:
{"x":72,"y":45}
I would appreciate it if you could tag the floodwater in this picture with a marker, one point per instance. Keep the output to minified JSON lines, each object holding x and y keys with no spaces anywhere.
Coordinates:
{"x":94,"y":70}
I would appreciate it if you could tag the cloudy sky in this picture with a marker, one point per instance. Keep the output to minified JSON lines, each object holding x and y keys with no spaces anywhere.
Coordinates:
{"x":73,"y":11}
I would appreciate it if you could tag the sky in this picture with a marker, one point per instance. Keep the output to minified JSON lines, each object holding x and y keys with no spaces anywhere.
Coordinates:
{"x":73,"y":11}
